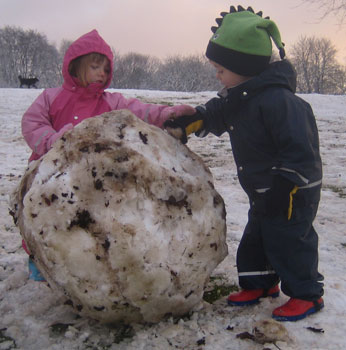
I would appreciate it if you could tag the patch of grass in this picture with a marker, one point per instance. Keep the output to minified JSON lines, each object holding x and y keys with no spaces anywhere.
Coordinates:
{"x":339,"y":190}
{"x":207,"y":155}
{"x":6,"y":343}
{"x":343,"y":244}
{"x":155,"y":101}
{"x":123,"y":332}
{"x":164,"y":103}
{"x":58,"y":329}
{"x":220,"y":144}
{"x":116,"y":333}
{"x":218,"y":288}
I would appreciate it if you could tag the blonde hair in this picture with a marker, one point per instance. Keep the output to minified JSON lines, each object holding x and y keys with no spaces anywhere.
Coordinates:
{"x":78,"y":67}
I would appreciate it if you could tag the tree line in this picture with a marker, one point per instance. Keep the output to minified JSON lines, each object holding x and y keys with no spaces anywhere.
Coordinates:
{"x":29,"y":54}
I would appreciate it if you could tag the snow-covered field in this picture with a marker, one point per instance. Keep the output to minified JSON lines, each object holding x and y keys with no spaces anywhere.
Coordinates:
{"x":32,"y":317}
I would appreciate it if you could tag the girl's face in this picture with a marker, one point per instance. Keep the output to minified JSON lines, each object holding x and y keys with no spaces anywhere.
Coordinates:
{"x":97,"y":72}
{"x":226,"y":77}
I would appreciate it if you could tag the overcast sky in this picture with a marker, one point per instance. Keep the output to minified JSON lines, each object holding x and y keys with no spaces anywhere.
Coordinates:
{"x":161,"y":27}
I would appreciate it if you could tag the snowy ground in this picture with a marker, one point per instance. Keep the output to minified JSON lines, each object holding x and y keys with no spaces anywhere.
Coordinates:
{"x":32,"y":317}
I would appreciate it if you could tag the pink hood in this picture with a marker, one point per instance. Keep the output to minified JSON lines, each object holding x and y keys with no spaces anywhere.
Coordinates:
{"x":87,"y":43}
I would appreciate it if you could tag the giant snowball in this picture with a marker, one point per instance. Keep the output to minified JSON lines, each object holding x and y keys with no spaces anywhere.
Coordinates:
{"x":123,"y":219}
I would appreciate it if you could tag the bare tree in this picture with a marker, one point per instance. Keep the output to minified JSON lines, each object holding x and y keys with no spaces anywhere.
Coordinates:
{"x":134,"y":71}
{"x":26,"y":53}
{"x":48,"y":66}
{"x":64,"y":45}
{"x":9,"y":57}
{"x":316,"y":64}
{"x":29,"y":54}
{"x":335,"y":8}
{"x":339,"y":80}
{"x":191,"y":73}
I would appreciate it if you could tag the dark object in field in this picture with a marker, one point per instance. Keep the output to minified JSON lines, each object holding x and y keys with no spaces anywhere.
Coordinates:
{"x":28,"y":82}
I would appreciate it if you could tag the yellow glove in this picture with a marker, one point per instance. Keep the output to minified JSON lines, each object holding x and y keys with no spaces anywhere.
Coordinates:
{"x":183,"y":126}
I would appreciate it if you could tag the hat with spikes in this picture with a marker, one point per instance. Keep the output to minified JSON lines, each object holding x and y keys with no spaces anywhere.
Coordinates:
{"x":242,"y":42}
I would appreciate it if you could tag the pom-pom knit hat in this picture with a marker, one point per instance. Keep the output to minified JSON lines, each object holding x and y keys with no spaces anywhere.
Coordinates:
{"x":243,"y":41}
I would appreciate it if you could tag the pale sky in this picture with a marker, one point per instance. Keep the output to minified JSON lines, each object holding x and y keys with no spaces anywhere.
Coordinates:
{"x":162,"y":27}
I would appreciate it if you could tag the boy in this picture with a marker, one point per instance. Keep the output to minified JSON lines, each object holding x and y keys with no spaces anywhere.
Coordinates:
{"x":275,"y":145}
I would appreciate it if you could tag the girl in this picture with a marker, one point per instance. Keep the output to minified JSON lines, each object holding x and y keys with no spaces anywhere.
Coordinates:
{"x":87,"y":72}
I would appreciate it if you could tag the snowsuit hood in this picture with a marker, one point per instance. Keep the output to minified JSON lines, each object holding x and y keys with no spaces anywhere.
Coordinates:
{"x":279,"y":73}
{"x":86,"y":44}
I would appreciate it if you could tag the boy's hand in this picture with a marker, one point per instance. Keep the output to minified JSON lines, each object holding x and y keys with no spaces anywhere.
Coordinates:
{"x":279,"y":198}
{"x":183,"y":126}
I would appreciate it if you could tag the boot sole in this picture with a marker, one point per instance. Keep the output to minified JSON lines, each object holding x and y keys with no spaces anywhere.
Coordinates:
{"x":251,"y":302}
{"x":298,"y":317}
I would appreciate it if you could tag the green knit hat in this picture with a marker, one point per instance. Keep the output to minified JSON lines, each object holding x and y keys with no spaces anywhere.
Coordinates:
{"x":243,"y":41}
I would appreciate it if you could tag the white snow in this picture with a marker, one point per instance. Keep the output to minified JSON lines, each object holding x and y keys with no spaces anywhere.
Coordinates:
{"x":28,"y":309}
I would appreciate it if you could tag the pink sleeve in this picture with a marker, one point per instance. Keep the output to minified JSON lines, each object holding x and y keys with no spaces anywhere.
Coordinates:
{"x":37,"y":127}
{"x":154,"y":114}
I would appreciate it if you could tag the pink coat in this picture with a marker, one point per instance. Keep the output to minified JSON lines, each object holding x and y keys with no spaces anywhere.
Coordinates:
{"x":57,"y":110}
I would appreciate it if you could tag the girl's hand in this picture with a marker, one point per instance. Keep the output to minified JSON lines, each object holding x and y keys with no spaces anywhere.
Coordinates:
{"x":59,"y":134}
{"x":177,"y":111}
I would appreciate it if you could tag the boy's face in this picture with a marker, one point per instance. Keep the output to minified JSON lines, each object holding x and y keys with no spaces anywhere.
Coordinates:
{"x":97,"y":72}
{"x":227,"y":78}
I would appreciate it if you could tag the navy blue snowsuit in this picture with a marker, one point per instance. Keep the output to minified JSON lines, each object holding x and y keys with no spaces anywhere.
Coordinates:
{"x":273,"y":131}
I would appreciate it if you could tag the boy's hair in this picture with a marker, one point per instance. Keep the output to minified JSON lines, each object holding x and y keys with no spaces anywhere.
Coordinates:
{"x":78,"y":67}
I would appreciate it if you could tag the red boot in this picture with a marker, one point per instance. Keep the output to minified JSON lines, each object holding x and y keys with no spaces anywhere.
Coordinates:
{"x":252,"y":296}
{"x":297,"y":309}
